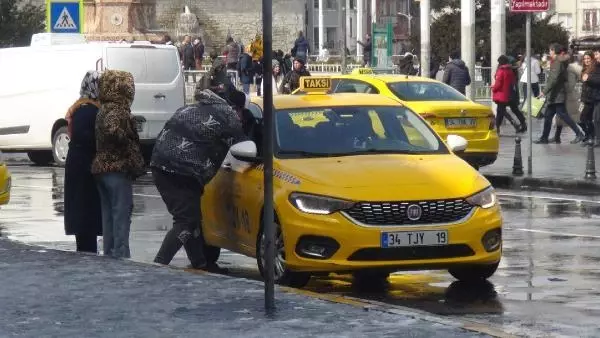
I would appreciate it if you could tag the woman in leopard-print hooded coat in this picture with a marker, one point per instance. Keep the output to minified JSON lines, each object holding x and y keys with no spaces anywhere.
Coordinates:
{"x":118,"y":160}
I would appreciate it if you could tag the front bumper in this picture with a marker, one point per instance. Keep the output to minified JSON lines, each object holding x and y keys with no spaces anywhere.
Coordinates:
{"x":359,"y":247}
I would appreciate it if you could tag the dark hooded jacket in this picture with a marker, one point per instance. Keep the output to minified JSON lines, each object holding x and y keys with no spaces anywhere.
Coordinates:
{"x":456,"y":75}
{"x":302,"y":48}
{"x":406,"y":66}
{"x":555,"y":88}
{"x":196,"y":139}
{"x":291,"y":81}
{"x":117,"y":141}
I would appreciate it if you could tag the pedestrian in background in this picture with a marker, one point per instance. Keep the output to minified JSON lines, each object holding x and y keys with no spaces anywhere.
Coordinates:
{"x":502,"y":88}
{"x":83,"y":216}
{"x":555,"y":93}
{"x":188,"y":58}
{"x":590,"y":97}
{"x":572,"y":96}
{"x":188,"y":154}
{"x":118,"y":160}
{"x":246,"y":71}
{"x":456,"y":73}
{"x":291,"y":81}
{"x":231,"y":53}
{"x":277,"y":77}
{"x":406,"y":65}
{"x":198,"y":52}
{"x":367,"y":49}
{"x":515,"y":99}
{"x":256,"y":51}
{"x":301,"y":48}
{"x":536,"y":70}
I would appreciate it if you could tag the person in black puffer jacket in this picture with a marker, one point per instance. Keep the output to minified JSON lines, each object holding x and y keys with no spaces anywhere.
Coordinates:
{"x":590,"y":97}
{"x":291,"y":81}
{"x":456,"y":73}
{"x":188,"y":154}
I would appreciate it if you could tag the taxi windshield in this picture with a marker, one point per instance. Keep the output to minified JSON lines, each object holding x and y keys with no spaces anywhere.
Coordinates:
{"x":425,"y":91}
{"x":348,"y":131}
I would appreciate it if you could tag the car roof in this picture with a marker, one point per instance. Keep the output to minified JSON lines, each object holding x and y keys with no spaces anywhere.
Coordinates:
{"x":387,"y":78}
{"x":281,"y":102}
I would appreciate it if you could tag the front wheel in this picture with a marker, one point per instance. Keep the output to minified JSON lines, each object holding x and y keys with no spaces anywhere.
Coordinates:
{"x":474,"y":273}
{"x":281,"y":274}
{"x":60,"y":146}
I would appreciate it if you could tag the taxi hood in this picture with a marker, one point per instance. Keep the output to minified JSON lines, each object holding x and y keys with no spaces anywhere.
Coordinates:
{"x":385,"y":176}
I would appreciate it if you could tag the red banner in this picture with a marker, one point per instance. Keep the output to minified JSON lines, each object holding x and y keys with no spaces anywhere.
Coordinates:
{"x":529,"y":5}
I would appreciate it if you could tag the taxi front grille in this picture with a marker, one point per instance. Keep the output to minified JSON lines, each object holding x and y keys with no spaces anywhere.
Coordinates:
{"x":395,"y":213}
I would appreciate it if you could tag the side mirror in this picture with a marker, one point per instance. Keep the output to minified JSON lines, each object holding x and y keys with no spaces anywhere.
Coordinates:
{"x":457,"y":143}
{"x":245,"y":151}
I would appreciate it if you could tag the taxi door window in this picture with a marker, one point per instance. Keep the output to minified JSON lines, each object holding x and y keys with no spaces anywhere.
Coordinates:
{"x":355,"y":86}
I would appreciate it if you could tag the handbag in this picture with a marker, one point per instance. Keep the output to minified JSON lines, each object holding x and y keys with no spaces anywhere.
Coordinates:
{"x":538,"y":107}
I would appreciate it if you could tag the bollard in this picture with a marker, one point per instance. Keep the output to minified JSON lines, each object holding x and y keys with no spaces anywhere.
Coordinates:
{"x":590,"y":165}
{"x":518,"y":162}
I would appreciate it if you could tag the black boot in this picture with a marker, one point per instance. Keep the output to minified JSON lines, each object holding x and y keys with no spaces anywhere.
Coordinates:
{"x":556,"y":138}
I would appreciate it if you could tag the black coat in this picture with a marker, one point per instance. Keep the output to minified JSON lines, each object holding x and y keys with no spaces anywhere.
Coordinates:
{"x":590,"y":90}
{"x":82,"y":201}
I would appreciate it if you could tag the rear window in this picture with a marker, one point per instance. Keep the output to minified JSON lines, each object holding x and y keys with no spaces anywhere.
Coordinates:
{"x":148,"y":65}
{"x":425,"y":91}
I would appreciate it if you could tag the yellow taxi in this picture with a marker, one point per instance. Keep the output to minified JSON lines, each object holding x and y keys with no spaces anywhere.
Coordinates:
{"x":5,"y":181}
{"x":446,"y":110}
{"x":348,"y":198}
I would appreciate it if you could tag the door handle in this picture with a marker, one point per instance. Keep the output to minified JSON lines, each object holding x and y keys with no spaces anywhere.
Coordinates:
{"x":159,"y":96}
{"x":226,"y":166}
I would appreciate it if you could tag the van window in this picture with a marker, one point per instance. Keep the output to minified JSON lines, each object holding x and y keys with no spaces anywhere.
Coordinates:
{"x":131,"y":60}
{"x":163,"y":65}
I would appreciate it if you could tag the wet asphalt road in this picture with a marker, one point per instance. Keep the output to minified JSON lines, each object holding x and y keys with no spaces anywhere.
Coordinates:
{"x":548,"y":283}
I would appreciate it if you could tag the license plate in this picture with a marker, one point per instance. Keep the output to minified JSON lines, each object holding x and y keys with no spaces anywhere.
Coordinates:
{"x":413,"y":238}
{"x":462,"y":122}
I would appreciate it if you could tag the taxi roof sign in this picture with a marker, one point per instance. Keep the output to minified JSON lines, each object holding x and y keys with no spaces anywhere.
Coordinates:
{"x":315,"y":84}
{"x":359,"y":71}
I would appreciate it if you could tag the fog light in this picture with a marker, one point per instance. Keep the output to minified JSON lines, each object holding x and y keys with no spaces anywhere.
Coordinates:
{"x":492,"y":240}
{"x":316,"y":247}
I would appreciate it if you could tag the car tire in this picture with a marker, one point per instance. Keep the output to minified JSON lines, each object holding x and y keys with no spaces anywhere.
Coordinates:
{"x":40,"y":157}
{"x":211,"y":253}
{"x":60,"y":146}
{"x":474,"y":273}
{"x":283,"y":275}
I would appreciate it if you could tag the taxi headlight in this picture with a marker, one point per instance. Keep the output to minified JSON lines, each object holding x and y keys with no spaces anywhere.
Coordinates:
{"x":484,"y":199}
{"x":320,"y":205}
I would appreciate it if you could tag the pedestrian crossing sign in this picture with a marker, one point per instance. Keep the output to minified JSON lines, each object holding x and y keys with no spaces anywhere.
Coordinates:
{"x":64,"y":16}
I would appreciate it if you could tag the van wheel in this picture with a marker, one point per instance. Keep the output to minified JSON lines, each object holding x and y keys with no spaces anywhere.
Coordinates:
{"x":40,"y":157}
{"x":282,"y":274}
{"x":474,"y":273}
{"x":60,"y":146}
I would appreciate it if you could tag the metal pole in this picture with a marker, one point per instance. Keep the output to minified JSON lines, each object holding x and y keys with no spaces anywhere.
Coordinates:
{"x":268,"y":216}
{"x":529,"y":119}
{"x":425,"y":36}
{"x":321,"y":28}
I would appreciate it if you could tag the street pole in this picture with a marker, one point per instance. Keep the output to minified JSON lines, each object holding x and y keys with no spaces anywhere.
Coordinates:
{"x":425,"y":36}
{"x":467,"y":39}
{"x":529,"y":118}
{"x":268,"y":216}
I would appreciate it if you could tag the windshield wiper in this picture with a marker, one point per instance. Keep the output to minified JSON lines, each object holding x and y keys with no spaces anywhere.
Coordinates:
{"x":378,"y":151}
{"x":302,"y":153}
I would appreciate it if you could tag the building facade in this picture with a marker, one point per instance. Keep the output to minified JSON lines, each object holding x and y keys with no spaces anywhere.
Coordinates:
{"x":580,"y":17}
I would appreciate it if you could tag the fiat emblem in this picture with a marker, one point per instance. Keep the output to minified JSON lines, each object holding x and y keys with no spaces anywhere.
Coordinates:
{"x":414,"y":212}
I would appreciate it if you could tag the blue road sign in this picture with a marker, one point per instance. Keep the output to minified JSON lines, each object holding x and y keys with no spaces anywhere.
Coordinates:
{"x":65,"y":17}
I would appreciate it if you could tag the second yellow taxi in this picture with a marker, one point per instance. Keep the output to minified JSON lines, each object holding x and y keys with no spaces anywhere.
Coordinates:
{"x":361,"y":184}
{"x":447,"y":110}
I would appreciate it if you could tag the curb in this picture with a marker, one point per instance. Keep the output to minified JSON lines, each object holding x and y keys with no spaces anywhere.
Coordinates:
{"x":569,"y":186}
{"x":468,"y":325}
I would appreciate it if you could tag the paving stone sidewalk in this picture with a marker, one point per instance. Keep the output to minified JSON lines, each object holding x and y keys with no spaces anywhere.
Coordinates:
{"x":47,"y":293}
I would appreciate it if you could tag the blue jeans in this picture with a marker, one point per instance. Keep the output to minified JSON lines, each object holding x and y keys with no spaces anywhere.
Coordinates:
{"x":246,"y":88}
{"x":116,"y":199}
{"x":561,"y":110}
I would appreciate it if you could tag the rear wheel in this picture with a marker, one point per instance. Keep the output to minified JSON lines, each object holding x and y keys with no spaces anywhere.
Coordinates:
{"x":40,"y":157}
{"x":282,"y":274}
{"x":474,"y":273}
{"x":60,"y":146}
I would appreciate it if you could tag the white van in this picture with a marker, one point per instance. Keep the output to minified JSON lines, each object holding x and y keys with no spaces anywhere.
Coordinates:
{"x":40,"y":82}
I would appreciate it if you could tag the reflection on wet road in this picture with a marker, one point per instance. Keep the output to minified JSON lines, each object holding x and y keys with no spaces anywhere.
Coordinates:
{"x":548,"y":281}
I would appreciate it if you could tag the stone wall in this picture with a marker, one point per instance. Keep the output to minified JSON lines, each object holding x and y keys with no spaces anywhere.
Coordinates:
{"x":241,"y":19}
